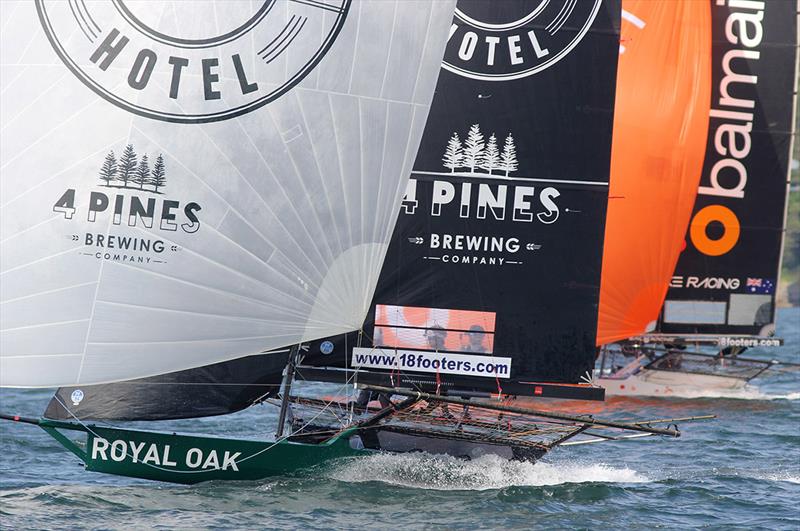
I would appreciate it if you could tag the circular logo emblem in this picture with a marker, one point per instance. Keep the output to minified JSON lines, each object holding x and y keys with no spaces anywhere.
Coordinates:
{"x":515,"y":39}
{"x":76,"y":397}
{"x":191,"y":61}
{"x":326,"y":347}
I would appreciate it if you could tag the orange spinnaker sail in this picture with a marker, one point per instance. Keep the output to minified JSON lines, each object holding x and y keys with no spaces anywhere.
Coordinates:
{"x":660,"y":126}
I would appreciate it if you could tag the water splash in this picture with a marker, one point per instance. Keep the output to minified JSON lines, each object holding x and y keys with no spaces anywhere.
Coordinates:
{"x":787,"y":477}
{"x":749,"y":393}
{"x":787,"y":396}
{"x":487,"y":472}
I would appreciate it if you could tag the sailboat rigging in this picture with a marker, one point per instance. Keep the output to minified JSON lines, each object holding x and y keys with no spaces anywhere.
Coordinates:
{"x":203,"y":188}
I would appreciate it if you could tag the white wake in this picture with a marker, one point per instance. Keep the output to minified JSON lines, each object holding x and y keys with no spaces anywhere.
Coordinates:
{"x":788,"y":477}
{"x":487,"y":472}
{"x":751,"y":393}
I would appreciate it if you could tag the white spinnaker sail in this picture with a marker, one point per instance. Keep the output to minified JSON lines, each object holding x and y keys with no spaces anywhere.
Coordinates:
{"x":279,"y":136}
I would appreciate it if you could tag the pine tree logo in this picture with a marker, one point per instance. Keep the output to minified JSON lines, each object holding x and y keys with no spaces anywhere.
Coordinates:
{"x":453,"y":155}
{"x":473,"y":148}
{"x":508,"y":159}
{"x":491,"y":156}
{"x":142,"y":175}
{"x":476,"y":154}
{"x":157,"y":176}
{"x":127,"y":165}
{"x":108,"y":172}
{"x":132,"y":172}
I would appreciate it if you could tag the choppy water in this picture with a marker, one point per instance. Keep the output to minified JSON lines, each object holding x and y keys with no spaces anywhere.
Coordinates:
{"x":742,"y":470}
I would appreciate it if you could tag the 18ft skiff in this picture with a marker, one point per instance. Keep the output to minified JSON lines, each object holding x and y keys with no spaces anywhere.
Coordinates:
{"x":201,"y":208}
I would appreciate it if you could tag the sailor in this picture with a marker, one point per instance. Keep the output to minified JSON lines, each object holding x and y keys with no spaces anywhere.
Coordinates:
{"x":366,"y":396}
{"x":763,"y":314}
{"x":436,"y":337}
{"x":472,"y":341}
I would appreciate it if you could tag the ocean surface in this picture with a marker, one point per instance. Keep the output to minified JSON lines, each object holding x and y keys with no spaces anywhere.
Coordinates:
{"x":739,"y":471}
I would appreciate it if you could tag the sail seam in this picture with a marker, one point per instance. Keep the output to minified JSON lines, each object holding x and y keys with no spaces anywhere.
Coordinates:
{"x":371,"y":266}
{"x":187,"y":312}
{"x":43,"y":94}
{"x":307,"y":195}
{"x":42,"y":325}
{"x":319,"y":173}
{"x":218,"y":290}
{"x":60,"y":173}
{"x":341,"y":171}
{"x":47,"y":292}
{"x":249,"y":185}
{"x":355,"y":51}
{"x":387,"y":64}
{"x":30,"y":356}
{"x":432,"y":6}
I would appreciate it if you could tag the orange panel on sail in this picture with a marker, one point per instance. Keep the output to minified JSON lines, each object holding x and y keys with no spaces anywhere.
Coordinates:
{"x":412,"y":316}
{"x":660,"y":126}
{"x":434,"y":328}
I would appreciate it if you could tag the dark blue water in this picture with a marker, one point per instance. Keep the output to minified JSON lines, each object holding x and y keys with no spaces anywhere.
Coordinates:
{"x":742,"y":471}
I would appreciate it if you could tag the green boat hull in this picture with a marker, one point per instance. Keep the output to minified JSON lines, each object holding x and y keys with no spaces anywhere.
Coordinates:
{"x":192,"y":459}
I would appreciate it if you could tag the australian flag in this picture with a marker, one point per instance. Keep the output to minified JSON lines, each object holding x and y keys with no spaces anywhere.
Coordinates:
{"x":760,"y":285}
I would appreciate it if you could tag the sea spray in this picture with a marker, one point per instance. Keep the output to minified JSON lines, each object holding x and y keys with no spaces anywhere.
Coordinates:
{"x":426,"y":471}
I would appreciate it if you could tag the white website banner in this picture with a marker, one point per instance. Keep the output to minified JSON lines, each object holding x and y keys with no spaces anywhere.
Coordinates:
{"x":429,"y":361}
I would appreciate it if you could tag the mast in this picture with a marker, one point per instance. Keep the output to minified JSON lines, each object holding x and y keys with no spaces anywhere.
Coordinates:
{"x":294,"y":358}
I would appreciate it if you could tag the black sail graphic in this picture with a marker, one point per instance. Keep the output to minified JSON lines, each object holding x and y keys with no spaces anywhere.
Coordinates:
{"x":214,"y":389}
{"x":496,"y":255}
{"x":727,"y":276}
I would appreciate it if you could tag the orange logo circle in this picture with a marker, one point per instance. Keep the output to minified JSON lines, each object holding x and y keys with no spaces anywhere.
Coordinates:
{"x":700,"y":222}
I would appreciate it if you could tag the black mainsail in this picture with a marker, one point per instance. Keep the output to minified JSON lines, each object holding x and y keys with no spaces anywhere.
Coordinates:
{"x":495,"y":259}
